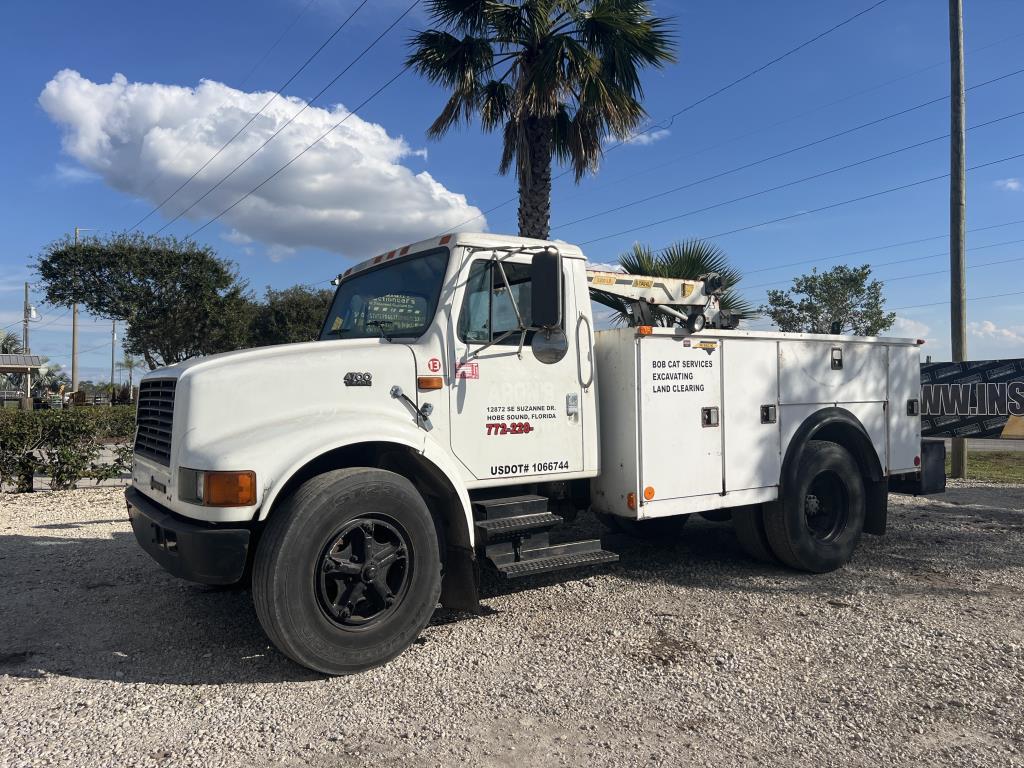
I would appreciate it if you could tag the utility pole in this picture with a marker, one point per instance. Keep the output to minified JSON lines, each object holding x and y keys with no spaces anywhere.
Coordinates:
{"x":957,"y":211}
{"x":26,"y":316}
{"x":113,"y":343}
{"x":74,"y":336}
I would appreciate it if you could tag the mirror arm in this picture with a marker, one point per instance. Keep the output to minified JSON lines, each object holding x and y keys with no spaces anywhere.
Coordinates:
{"x":508,"y":287}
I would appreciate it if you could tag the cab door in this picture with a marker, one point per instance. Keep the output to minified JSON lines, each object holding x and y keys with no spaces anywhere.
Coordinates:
{"x":514,"y":413}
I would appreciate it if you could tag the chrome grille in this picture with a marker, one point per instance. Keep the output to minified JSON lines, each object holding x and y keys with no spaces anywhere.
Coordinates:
{"x":155,"y":418}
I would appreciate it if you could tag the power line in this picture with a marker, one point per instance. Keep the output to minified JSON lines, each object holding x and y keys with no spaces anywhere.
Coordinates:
{"x":276,"y":42}
{"x":702,"y":100}
{"x":896,"y":261}
{"x":974,"y":298}
{"x":753,"y":72}
{"x":660,"y":166}
{"x":290,"y":120}
{"x":320,"y":138}
{"x":254,"y":115}
{"x":777,"y":187}
{"x":181,"y":151}
{"x":880,"y":193}
{"x":943,"y":236}
{"x":777,"y":155}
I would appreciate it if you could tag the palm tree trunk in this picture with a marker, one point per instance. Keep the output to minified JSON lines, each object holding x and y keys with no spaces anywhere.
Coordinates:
{"x":535,"y":181}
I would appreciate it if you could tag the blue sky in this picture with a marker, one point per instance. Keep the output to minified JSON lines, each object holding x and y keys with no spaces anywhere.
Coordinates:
{"x":58,"y":175}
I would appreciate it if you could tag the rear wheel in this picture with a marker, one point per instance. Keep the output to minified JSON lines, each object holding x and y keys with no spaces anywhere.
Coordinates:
{"x":818,"y":524}
{"x":348,"y":571}
{"x":748,"y":523}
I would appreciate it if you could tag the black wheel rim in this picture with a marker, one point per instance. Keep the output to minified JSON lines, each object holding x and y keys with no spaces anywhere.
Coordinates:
{"x":826,"y":507}
{"x":363,"y":572}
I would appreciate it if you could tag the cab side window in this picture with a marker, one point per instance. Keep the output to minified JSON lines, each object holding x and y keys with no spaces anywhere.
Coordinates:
{"x":487,"y":308}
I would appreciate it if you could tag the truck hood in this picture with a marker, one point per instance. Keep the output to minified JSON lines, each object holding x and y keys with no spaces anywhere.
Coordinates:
{"x":223,"y":399}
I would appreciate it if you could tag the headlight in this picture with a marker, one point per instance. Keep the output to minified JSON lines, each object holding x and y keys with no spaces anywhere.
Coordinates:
{"x":217,"y":489}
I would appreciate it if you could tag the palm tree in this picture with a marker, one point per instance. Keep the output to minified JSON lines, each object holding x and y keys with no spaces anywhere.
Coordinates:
{"x":687,"y":260}
{"x":558,"y":76}
{"x":10,"y":344}
{"x":130,"y":364}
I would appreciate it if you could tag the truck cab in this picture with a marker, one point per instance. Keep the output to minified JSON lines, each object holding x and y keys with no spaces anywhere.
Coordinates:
{"x":459,"y":405}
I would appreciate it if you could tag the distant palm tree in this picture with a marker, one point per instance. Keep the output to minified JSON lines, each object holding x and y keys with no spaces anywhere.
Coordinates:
{"x":130,"y":364}
{"x":558,"y":76}
{"x":686,"y":260}
{"x":10,"y":344}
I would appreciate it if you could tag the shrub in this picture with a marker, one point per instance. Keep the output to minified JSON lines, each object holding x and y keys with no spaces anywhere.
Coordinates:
{"x":64,"y":445}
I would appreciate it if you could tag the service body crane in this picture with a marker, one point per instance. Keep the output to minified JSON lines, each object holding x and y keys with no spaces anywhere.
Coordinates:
{"x":459,"y":406}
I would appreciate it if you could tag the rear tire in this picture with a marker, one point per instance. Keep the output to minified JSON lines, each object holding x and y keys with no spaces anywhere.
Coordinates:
{"x":748,"y":523}
{"x":819,"y":522}
{"x":348,"y":571}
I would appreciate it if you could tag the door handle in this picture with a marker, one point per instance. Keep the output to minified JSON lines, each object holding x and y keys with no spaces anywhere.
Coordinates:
{"x":589,"y":350}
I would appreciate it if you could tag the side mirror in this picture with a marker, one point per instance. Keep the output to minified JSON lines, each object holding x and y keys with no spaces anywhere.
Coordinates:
{"x":546,"y":289}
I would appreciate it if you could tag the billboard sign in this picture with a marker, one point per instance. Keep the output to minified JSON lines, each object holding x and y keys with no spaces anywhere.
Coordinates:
{"x":978,"y":399}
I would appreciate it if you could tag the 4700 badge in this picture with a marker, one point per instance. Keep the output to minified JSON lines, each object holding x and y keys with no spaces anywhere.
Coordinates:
{"x":536,"y":468}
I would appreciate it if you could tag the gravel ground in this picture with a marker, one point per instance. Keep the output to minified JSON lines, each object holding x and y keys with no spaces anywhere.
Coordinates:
{"x":683,"y":653}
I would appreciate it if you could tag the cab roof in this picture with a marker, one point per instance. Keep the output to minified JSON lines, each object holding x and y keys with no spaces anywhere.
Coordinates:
{"x":483,"y":240}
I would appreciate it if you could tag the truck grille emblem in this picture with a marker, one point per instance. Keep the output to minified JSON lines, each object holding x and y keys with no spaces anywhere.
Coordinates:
{"x":357,"y":379}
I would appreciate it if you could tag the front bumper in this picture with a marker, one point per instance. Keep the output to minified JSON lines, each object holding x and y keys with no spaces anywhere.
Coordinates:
{"x":204,"y":553}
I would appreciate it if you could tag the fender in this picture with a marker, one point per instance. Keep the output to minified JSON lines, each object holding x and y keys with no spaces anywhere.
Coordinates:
{"x":310,"y":444}
{"x":840,"y":426}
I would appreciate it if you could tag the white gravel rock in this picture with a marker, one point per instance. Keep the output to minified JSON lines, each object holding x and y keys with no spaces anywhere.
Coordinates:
{"x":683,"y":653}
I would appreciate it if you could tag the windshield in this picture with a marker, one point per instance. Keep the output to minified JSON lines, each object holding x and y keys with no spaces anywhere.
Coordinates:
{"x":398,"y":299}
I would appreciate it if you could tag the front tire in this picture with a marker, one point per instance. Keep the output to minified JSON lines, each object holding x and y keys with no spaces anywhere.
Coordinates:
{"x":348,"y":571}
{"x":818,"y":524}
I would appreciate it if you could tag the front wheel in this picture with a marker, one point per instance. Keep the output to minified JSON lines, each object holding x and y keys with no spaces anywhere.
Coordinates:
{"x":817,"y":525}
{"x":348,"y":571}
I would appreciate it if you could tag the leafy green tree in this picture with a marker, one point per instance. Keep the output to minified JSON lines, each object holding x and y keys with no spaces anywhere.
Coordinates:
{"x":177,"y":298}
{"x":556,"y":76}
{"x":291,"y":315}
{"x":686,"y":260}
{"x":843,"y":295}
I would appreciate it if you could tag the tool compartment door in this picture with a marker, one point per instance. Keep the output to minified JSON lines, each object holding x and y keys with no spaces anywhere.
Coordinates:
{"x":679,"y":382}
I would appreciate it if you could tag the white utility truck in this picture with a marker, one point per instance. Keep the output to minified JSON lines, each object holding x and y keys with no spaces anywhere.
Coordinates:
{"x":460,"y":405}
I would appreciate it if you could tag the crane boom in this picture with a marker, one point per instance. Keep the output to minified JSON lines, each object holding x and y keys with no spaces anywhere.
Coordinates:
{"x":694,"y":303}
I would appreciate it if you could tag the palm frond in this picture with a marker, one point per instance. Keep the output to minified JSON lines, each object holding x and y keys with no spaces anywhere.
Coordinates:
{"x":688,"y":260}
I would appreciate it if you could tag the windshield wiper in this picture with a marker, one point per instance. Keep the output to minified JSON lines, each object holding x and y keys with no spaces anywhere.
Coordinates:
{"x":379,"y":325}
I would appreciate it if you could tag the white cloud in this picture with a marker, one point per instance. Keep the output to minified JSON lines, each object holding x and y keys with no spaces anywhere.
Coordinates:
{"x":648,"y":138}
{"x":986,"y":329}
{"x":906,"y":328}
{"x":236,"y":237}
{"x":1009,"y":185}
{"x":349,"y":194}
{"x":73,"y":174}
{"x":279,"y":252}
{"x":600,"y":267}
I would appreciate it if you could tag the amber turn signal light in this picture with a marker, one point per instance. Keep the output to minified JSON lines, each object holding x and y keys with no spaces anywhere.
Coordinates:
{"x":229,"y":489}
{"x":430,"y":382}
{"x":644,"y":330}
{"x":631,"y":500}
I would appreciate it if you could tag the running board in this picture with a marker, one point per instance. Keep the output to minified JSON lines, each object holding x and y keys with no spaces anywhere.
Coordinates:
{"x":512,"y":538}
{"x":555,"y":558}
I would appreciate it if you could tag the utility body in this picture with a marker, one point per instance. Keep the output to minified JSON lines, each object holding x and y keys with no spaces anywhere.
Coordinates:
{"x":460,"y":405}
